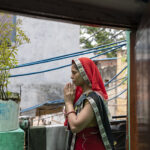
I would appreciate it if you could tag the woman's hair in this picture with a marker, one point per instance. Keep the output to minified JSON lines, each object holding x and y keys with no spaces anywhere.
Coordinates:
{"x":73,"y":63}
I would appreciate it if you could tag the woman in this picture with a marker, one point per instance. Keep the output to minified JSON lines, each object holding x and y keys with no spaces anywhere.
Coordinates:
{"x":85,"y":110}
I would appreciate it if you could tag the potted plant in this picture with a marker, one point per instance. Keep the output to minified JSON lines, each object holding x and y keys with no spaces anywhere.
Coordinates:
{"x":9,"y":102}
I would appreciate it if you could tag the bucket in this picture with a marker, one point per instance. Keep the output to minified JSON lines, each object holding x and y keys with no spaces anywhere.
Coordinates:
{"x":9,"y":114}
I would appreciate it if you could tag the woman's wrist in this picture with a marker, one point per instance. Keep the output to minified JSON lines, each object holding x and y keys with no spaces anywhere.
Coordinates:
{"x":67,"y":113}
{"x":68,"y":103}
{"x":69,"y":107}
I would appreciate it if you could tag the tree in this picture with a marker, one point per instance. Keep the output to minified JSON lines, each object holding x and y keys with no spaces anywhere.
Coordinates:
{"x":93,"y":36}
{"x":9,"y":49}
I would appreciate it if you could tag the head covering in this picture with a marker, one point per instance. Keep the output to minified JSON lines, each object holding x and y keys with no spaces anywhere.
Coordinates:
{"x":91,"y":75}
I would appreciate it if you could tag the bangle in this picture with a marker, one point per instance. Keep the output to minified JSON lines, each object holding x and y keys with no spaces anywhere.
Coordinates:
{"x":66,"y":114}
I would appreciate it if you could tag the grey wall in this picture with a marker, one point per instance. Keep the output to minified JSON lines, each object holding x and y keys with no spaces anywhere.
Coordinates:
{"x":48,"y":39}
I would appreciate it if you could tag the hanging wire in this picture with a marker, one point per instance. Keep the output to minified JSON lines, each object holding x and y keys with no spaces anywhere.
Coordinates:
{"x":32,"y":73}
{"x":117,"y":95}
{"x":119,"y":79}
{"x":115,"y":76}
{"x":88,"y":51}
{"x":109,"y":89}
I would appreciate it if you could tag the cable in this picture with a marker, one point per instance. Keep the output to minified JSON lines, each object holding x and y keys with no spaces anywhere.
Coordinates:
{"x":70,"y":55}
{"x":106,"y":52}
{"x":119,"y":79}
{"x":27,"y":74}
{"x":117,"y":85}
{"x":117,"y":95}
{"x":115,"y":76}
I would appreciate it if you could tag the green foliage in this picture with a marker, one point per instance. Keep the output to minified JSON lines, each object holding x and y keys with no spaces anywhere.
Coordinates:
{"x":93,"y":36}
{"x":9,"y":49}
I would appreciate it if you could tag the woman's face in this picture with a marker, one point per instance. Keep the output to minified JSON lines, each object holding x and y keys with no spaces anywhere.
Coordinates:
{"x":75,"y":76}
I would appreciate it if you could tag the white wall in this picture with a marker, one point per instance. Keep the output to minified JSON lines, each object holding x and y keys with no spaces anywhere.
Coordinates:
{"x":48,"y":39}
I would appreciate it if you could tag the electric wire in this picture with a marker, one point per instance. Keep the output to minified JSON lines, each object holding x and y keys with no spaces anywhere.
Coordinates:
{"x":88,"y":51}
{"x":32,"y":73}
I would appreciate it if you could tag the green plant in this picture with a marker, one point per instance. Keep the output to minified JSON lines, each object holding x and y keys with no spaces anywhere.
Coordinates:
{"x":9,"y":49}
{"x":94,"y":36}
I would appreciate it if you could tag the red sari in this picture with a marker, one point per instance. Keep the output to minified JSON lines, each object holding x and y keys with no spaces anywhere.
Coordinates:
{"x":89,"y":139}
